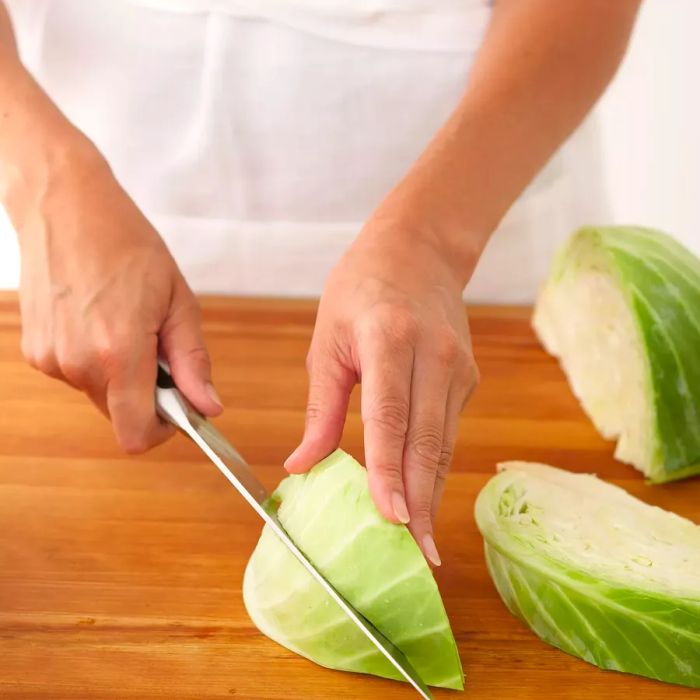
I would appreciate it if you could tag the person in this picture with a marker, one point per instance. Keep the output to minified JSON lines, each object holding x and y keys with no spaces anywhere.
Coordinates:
{"x":256,"y":141}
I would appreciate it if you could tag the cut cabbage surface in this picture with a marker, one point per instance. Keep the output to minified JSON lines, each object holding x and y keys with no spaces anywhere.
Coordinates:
{"x":594,"y":571}
{"x":621,"y":310}
{"x":376,"y":565}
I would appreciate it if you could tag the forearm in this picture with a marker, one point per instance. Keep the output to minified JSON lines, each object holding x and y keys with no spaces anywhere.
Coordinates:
{"x":36,"y":141}
{"x":542,"y":66}
{"x":7,"y":34}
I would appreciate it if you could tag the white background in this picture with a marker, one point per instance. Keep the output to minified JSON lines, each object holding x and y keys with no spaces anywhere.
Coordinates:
{"x":650,"y":123}
{"x":650,"y":128}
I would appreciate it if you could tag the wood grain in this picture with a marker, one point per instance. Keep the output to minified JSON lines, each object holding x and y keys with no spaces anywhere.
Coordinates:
{"x":120,"y":577}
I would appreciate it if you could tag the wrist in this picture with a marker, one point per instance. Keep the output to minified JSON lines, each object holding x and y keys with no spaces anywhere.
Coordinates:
{"x":39,"y":147}
{"x":457,"y":246}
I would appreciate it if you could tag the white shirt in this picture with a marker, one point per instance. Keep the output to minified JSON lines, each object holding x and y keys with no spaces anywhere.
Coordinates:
{"x":258,"y":135}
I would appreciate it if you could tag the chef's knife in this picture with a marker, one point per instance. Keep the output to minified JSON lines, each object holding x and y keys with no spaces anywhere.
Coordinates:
{"x":172,"y":406}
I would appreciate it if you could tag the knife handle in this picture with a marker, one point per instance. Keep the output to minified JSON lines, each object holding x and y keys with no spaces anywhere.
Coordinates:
{"x":164,"y":380}
{"x":171,"y":405}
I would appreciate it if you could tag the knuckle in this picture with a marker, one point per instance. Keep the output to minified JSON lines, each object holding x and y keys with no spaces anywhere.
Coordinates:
{"x":389,"y":470}
{"x":426,"y":443}
{"x":444,"y":462}
{"x":326,"y":359}
{"x":37,"y":357}
{"x":45,"y":362}
{"x":401,"y":328}
{"x":394,"y":323}
{"x":75,"y":366}
{"x":447,"y":347}
{"x":390,"y":414}
{"x":314,"y":411}
{"x":111,"y":355}
{"x":74,"y":370}
{"x":421,"y":510}
{"x":31,"y":359}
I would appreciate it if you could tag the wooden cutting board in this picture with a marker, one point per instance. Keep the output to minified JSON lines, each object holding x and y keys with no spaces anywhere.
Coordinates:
{"x":120,"y":577}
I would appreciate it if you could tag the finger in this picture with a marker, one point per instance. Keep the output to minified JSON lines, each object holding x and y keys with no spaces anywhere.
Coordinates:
{"x":38,"y":335}
{"x":330,"y":384}
{"x":84,"y":366}
{"x":432,"y":376}
{"x":99,"y":399}
{"x":94,"y":383}
{"x":449,"y":437}
{"x":37,"y":347}
{"x":130,"y":399}
{"x":460,"y":392}
{"x":385,"y":404}
{"x":45,"y":362}
{"x":182,"y":345}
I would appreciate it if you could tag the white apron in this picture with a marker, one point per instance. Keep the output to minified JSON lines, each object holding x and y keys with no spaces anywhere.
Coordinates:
{"x":258,"y":135}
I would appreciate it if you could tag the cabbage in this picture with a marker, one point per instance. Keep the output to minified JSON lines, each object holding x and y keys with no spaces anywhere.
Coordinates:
{"x":375,"y":565}
{"x":594,"y":571}
{"x":622,"y":312}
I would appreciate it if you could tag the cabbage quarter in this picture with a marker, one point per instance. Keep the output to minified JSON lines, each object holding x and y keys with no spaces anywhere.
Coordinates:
{"x":621,"y":310}
{"x":594,"y":571}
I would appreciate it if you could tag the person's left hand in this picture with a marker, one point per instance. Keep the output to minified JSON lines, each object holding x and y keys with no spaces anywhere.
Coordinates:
{"x":392,"y":317}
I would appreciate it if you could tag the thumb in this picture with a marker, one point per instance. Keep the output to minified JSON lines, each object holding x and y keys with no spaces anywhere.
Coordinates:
{"x":330,"y":384}
{"x":182,"y":345}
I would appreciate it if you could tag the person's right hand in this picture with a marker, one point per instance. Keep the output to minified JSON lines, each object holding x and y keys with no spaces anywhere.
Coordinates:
{"x":101,"y":297}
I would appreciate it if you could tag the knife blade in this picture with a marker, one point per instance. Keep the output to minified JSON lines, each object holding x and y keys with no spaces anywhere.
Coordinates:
{"x":175,"y":408}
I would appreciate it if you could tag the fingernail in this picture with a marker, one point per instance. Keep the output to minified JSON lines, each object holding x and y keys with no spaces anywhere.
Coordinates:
{"x":213,"y":395}
{"x":400,"y":510}
{"x":430,"y":550}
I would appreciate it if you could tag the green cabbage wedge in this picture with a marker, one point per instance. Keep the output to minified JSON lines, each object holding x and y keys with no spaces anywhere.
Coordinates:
{"x":374,"y":564}
{"x":594,"y":571}
{"x":621,"y":310}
